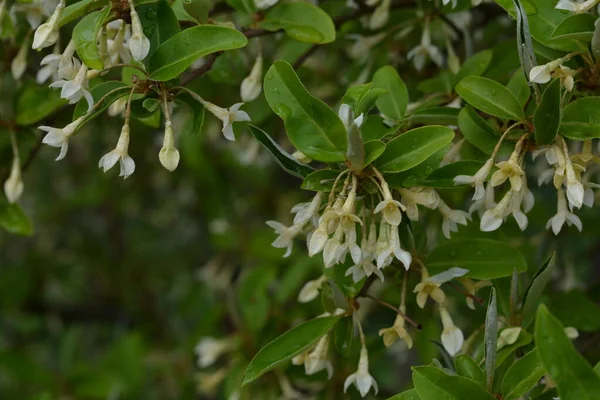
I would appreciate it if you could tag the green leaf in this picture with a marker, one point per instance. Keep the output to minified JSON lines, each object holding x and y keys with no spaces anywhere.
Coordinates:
{"x":361,"y":98}
{"x":572,"y":374}
{"x":508,"y":5}
{"x":301,"y":21}
{"x":546,"y":119}
{"x":577,"y":26}
{"x":197,"y":111}
{"x":435,"y":116}
{"x":343,"y":336}
{"x":581,"y":119}
{"x":479,"y":133}
{"x":159,"y":24}
{"x":14,"y":220}
{"x":79,"y":9}
{"x":36,"y":102}
{"x":413,"y":147}
{"x":408,"y":395}
{"x":313,"y":127}
{"x":253,"y":299}
{"x":467,"y":367}
{"x":475,"y":65}
{"x":393,"y":103}
{"x":173,"y":56}
{"x":523,"y":340}
{"x":197,"y":9}
{"x":434,"y":384}
{"x":373,"y":150}
{"x":286,"y":346}
{"x":282,"y":157}
{"x":522,"y":376}
{"x":519,"y":86}
{"x":491,"y":339}
{"x":85,"y":36}
{"x":490,"y":97}
{"x":545,"y":21}
{"x":374,"y":128}
{"x":576,"y":309}
{"x":117,"y":89}
{"x":321,"y":180}
{"x":484,"y":258}
{"x":443,"y":177}
{"x":535,"y":289}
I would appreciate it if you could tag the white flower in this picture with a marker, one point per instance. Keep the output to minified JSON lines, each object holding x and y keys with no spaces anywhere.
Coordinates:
{"x":305,"y":211}
{"x":575,"y":191}
{"x":316,"y":359}
{"x":508,"y":336}
{"x":119,"y":154}
{"x":393,"y":248}
{"x":476,"y":180}
{"x":510,"y":170}
{"x":347,"y":117}
{"x":553,"y":69}
{"x":452,"y":336}
{"x":361,"y":378}
{"x":13,"y":186}
{"x":73,"y":90}
{"x":366,"y":267}
{"x":251,"y":85}
{"x":425,"y":49}
{"x":117,"y":48}
{"x":451,"y":218}
{"x":64,"y":65}
{"x":361,"y":49}
{"x":389,"y":207}
{"x":415,"y":196}
{"x":317,"y":240}
{"x":138,"y":43}
{"x":286,"y":235}
{"x":227,"y":116}
{"x":35,"y":10}
{"x":209,"y":349}
{"x":430,"y":286}
{"x":169,"y":155}
{"x":573,"y":6}
{"x":572,"y":333}
{"x":57,"y":137}
{"x":310,"y":290}
{"x":381,"y":15}
{"x":446,"y":2}
{"x":563,"y":215}
{"x":482,"y":205}
{"x":264,"y":4}
{"x":47,"y":33}
{"x":493,"y":217}
{"x":19,"y":63}
{"x":396,"y":331}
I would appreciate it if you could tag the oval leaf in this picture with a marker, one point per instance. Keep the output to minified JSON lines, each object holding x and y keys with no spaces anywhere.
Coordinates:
{"x":522,"y":376}
{"x":467,"y":367}
{"x":479,"y":133}
{"x":392,"y":103}
{"x":581,"y":119}
{"x":535,"y":289}
{"x":159,"y":24}
{"x":475,"y":65}
{"x":484,"y":258}
{"x":490,"y":97}
{"x":577,"y":26}
{"x":85,"y":36}
{"x":413,"y":147}
{"x":301,"y":21}
{"x":546,"y":119}
{"x":179,"y":52}
{"x":286,"y":346}
{"x":117,"y":89}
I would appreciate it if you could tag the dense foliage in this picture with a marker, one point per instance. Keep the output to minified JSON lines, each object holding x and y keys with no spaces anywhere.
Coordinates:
{"x":334,"y":199}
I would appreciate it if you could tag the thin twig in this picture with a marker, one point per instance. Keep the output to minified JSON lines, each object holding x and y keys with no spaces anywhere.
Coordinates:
{"x":397,"y":310}
{"x":210,"y":61}
{"x":463,"y":291}
{"x":300,"y":60}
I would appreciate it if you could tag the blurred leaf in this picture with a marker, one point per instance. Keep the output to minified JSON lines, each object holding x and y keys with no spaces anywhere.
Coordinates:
{"x":14,"y":220}
{"x":491,"y":339}
{"x":522,"y":376}
{"x":301,"y":21}
{"x":432,"y":383}
{"x":535,"y":289}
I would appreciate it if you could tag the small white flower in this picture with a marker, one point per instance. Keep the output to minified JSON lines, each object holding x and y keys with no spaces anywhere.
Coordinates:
{"x":493,"y":217}
{"x":119,"y":154}
{"x":264,"y":4}
{"x":563,"y":215}
{"x":366,"y":267}
{"x":430,"y":286}
{"x":452,"y":336}
{"x":451,"y":218}
{"x":286,"y":235}
{"x":47,"y":33}
{"x":347,"y":117}
{"x":361,"y":378}
{"x":316,"y":359}
{"x":361,"y":49}
{"x":306,"y":211}
{"x":209,"y":349}
{"x":138,"y":43}
{"x":227,"y":116}
{"x":13,"y":186}
{"x":19,"y":63}
{"x":117,"y":48}
{"x":508,"y":336}
{"x":389,"y":207}
{"x":575,"y":190}
{"x":317,"y":240}
{"x":576,"y":7}
{"x":169,"y":155}
{"x":476,"y":180}
{"x":393,"y":249}
{"x":425,"y":50}
{"x":510,"y":170}
{"x":57,"y":137}
{"x":572,"y":333}
{"x":396,"y":331}
{"x":381,"y":15}
{"x":415,"y":196}
{"x":472,"y":288}
{"x":310,"y":290}
{"x":73,"y":90}
{"x":251,"y":85}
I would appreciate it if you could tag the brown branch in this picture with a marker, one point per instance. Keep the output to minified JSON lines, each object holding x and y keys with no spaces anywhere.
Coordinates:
{"x":300,"y":60}
{"x":397,"y":310}
{"x":210,"y":61}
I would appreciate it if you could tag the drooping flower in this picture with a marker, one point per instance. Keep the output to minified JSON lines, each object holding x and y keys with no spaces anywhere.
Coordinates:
{"x":286,"y":235}
{"x":361,"y":378}
{"x":169,"y":155}
{"x":57,"y":137}
{"x":310,"y":290}
{"x":493,"y":217}
{"x":389,"y":207}
{"x":13,"y":186}
{"x":451,"y":218}
{"x":476,"y":180}
{"x":119,"y":154}
{"x":251,"y":86}
{"x":73,"y":90}
{"x":306,"y":211}
{"x":425,"y":50}
{"x":396,"y":331}
{"x":316,"y":359}
{"x":47,"y":33}
{"x":138,"y":43}
{"x":452,"y":336}
{"x":227,"y":116}
{"x":19,"y":63}
{"x":209,"y":349}
{"x":418,"y":195}
{"x":430,"y":286}
{"x":381,"y":15}
{"x":563,"y":215}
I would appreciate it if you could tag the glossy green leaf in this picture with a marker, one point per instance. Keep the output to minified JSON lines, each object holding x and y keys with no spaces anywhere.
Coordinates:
{"x":197,"y":9}
{"x":313,"y":127}
{"x":408,"y":395}
{"x":36,"y":102}
{"x":321,"y":180}
{"x":505,"y":352}
{"x":393,"y":103}
{"x":14,"y":220}
{"x":544,"y":22}
{"x":175,"y":55}
{"x":479,"y":133}
{"x":432,"y":383}
{"x":484,"y":258}
{"x":475,"y":65}
{"x":508,"y":5}
{"x":117,"y":89}
{"x":519,"y":86}
{"x":373,"y":150}
{"x":343,"y":336}
{"x":373,"y":128}
{"x":197,"y":110}
{"x":443,"y":177}
{"x":572,"y":374}
{"x":79,"y":9}
{"x":85,"y":36}
{"x":283,"y":158}
{"x":413,"y":147}
{"x":467,"y":367}
{"x":535,"y":289}
{"x":301,"y":21}
{"x":491,"y":339}
{"x":286,"y":346}
{"x":361,"y":98}
{"x":522,"y":376}
{"x":576,"y":26}
{"x":159,"y":24}
{"x":546,"y":119}
{"x":490,"y":97}
{"x":436,"y":116}
{"x":581,"y":119}
{"x":414,"y":176}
